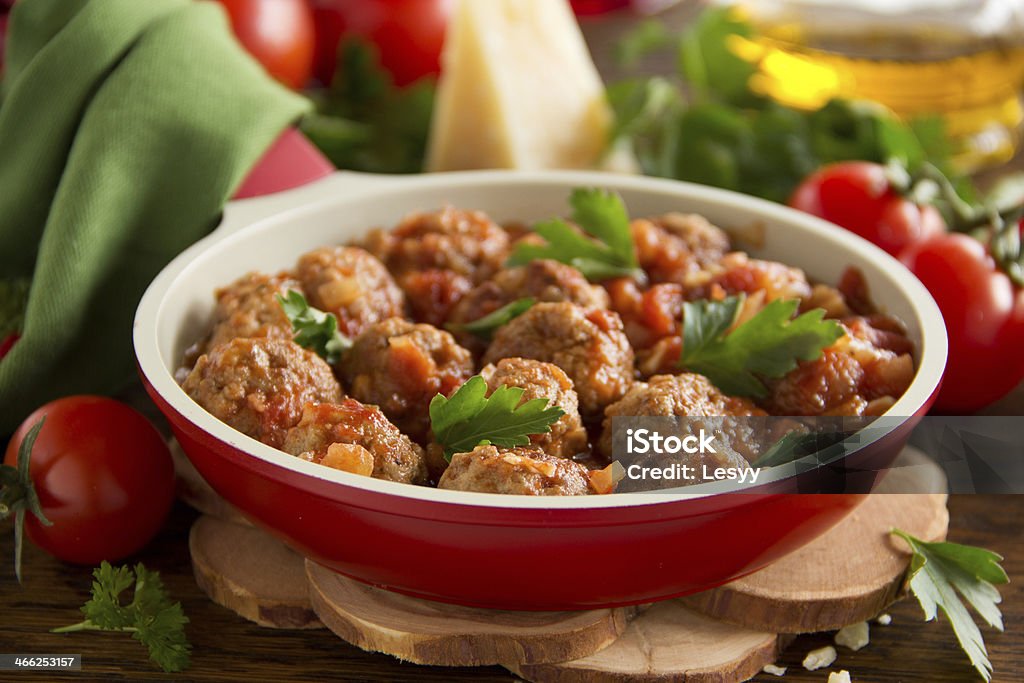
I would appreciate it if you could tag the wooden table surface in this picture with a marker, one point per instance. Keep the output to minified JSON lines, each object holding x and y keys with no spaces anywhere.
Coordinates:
{"x":228,"y":648}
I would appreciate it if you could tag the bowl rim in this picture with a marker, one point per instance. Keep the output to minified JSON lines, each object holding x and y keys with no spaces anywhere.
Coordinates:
{"x":276,"y":211}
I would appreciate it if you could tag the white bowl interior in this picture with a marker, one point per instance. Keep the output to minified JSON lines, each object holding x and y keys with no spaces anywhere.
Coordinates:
{"x":177,"y":307}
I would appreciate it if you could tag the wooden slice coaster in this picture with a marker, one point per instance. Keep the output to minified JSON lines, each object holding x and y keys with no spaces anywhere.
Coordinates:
{"x":667,"y":643}
{"x":196,"y":493}
{"x":427,"y":632}
{"x":850,"y":574}
{"x":251,"y":573}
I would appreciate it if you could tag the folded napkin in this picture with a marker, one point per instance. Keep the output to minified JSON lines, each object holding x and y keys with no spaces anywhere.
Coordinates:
{"x":125,"y":125}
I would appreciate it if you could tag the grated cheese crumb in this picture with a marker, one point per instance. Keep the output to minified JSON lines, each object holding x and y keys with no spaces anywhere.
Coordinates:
{"x":854,"y":636}
{"x":774,"y":670}
{"x":839,"y":677}
{"x":884,"y":619}
{"x":820,"y":658}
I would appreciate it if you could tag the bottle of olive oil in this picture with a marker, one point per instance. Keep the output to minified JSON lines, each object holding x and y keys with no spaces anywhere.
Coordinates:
{"x":962,"y":60}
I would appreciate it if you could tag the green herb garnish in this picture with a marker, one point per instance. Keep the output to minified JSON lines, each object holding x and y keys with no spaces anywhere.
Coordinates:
{"x":486,"y":326}
{"x":938,"y":571}
{"x":150,"y":617}
{"x":601,"y":215}
{"x":767,"y":345}
{"x":364,"y":122}
{"x":18,"y":494}
{"x":721,"y":132}
{"x":314,"y":329}
{"x":470,"y":418}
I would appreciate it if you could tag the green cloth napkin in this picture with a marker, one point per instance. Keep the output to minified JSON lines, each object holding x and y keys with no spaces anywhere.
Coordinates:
{"x":125,"y":126}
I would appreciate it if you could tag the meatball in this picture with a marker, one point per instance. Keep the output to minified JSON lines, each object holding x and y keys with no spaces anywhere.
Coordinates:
{"x":865,"y":365}
{"x":438,"y":256}
{"x":259,"y":386}
{"x":674,"y":246}
{"x":522,"y":471}
{"x":400,"y":366}
{"x":544,"y":380}
{"x":543,"y":280}
{"x":737,"y":273}
{"x":352,"y":284}
{"x":467,"y":242}
{"x":356,"y":438}
{"x":694,"y":396}
{"x":249,"y":308}
{"x":589,"y":345}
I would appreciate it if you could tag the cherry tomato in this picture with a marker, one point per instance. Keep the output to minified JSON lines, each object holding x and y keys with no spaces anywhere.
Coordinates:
{"x":104,"y":478}
{"x":409,"y":34}
{"x":857,"y":195}
{"x":279,"y":34}
{"x":984,"y":316}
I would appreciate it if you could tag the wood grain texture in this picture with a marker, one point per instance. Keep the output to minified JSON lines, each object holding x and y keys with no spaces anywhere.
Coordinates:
{"x":425,"y":632}
{"x":667,"y":642}
{"x":251,"y":573}
{"x":229,"y":648}
{"x":850,"y":574}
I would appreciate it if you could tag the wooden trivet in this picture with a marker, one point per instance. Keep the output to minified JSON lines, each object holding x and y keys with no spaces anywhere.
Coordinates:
{"x":251,"y":573}
{"x":667,"y":643}
{"x":851,"y":573}
{"x":436,"y":633}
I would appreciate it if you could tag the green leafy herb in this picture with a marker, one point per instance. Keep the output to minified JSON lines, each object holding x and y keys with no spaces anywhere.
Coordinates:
{"x":364,"y":122}
{"x":602,"y":215}
{"x":938,"y":571}
{"x":767,"y":345}
{"x":707,"y":61}
{"x":645,"y":38}
{"x":314,"y":329}
{"x":13,"y":297}
{"x":486,"y":326}
{"x":150,"y":617}
{"x":470,"y":418}
{"x":18,"y":493}
{"x":731,"y":137}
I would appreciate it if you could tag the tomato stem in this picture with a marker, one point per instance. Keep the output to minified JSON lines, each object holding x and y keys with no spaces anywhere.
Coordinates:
{"x":19,"y":494}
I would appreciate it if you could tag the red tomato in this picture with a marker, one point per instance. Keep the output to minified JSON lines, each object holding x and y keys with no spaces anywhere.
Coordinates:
{"x":104,"y":477}
{"x":984,"y":316}
{"x":279,"y":34}
{"x":857,"y":195}
{"x":409,"y":34}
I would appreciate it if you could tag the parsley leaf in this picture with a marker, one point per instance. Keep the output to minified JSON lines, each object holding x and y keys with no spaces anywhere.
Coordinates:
{"x":938,"y":571}
{"x":486,"y":326}
{"x":366,"y":123}
{"x":470,"y":418}
{"x":602,"y":215}
{"x":150,"y":617}
{"x":314,"y":329}
{"x":768,"y":345}
{"x":708,"y":62}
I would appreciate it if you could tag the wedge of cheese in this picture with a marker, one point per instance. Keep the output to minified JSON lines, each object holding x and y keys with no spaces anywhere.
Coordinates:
{"x":518,"y":89}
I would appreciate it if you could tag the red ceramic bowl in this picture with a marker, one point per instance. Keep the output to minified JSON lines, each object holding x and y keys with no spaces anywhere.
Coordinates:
{"x":514,"y":552}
